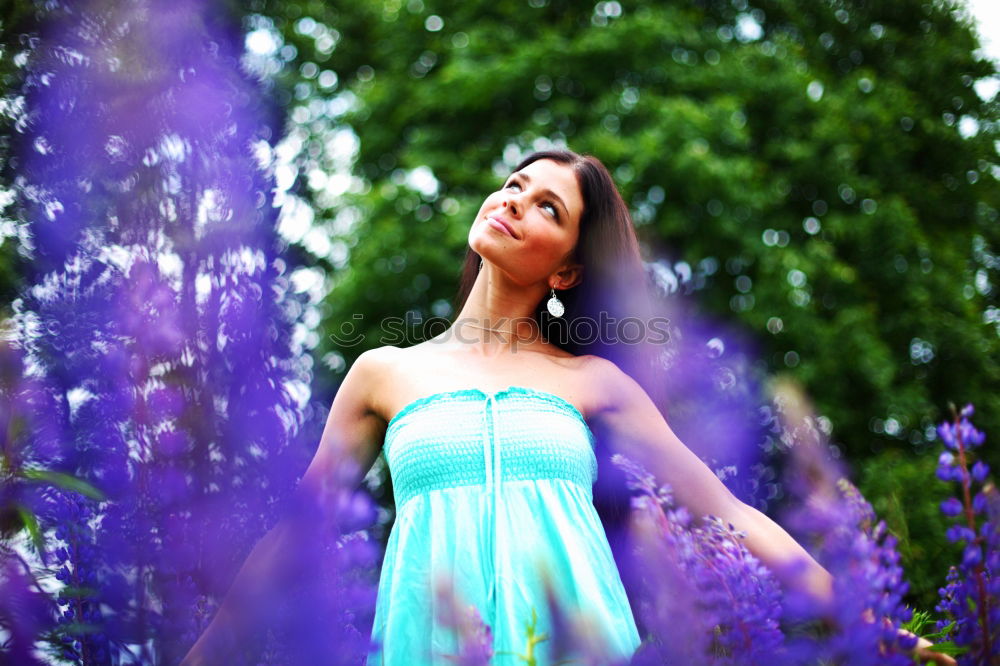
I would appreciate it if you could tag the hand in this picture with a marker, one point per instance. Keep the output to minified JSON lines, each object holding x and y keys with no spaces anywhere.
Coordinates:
{"x":923,"y":649}
{"x":925,"y":654}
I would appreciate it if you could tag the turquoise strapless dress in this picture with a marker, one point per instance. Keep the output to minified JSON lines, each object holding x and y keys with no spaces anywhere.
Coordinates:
{"x":492,"y":490}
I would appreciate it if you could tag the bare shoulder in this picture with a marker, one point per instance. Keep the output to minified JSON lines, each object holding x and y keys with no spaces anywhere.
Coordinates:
{"x":378,"y":359}
{"x":373,"y":371}
{"x":357,"y":390}
{"x":610,"y":387}
{"x":369,"y":366}
{"x":354,"y":426}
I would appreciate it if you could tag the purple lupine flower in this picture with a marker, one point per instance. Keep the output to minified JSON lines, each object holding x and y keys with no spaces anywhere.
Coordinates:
{"x":158,"y":319}
{"x":705,"y":585}
{"x":326,"y":605}
{"x":951,"y":507}
{"x":474,"y":637}
{"x":26,"y":453}
{"x":709,"y":390}
{"x":715,"y":400}
{"x":867,"y":580}
{"x":666,"y":604}
{"x":573,"y":637}
{"x":25,"y":610}
{"x":831,"y":518}
{"x":970,"y":600}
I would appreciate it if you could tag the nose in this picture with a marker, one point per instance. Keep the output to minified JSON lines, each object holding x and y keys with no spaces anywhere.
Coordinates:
{"x":511,"y":203}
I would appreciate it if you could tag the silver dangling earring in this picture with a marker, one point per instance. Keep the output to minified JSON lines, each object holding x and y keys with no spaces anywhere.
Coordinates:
{"x":480,"y":264}
{"x":555,"y":306}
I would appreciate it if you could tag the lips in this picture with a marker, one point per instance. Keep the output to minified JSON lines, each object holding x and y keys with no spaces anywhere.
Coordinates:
{"x":501,"y":224}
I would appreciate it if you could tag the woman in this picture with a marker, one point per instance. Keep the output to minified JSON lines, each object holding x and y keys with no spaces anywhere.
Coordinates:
{"x":486,"y":430}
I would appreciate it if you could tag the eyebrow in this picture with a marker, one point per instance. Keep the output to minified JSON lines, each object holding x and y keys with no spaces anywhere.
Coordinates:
{"x":544,"y":191}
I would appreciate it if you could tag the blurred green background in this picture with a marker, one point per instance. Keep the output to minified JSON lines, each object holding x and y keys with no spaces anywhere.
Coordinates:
{"x":823,"y":175}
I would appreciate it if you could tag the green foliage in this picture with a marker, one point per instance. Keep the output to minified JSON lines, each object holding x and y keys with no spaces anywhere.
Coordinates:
{"x":810,"y":152}
{"x":922,"y":624}
{"x":63,"y":480}
{"x":17,"y":23}
{"x":903,"y":491}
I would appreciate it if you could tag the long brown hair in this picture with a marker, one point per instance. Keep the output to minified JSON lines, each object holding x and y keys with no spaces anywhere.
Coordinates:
{"x":614,"y":284}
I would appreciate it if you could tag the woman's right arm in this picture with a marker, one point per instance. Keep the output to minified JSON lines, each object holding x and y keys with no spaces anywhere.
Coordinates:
{"x":353,"y":435}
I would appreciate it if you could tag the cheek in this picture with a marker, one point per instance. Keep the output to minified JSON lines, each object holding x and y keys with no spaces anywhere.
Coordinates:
{"x":552,"y":245}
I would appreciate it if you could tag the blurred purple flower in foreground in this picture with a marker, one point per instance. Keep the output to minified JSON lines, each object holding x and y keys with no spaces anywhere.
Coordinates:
{"x":830,"y":518}
{"x":970,"y":601}
{"x":159,"y":323}
{"x":706,"y":599}
{"x":475,"y":638}
{"x":709,"y":600}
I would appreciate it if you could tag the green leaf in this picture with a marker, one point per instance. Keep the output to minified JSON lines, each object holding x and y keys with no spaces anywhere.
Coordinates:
{"x":949,"y":648}
{"x":63,"y":480}
{"x":31,"y":524}
{"x":917,"y":623}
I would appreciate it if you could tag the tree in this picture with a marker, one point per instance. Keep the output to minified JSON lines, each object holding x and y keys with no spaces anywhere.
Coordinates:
{"x":17,"y":21}
{"x":823,"y":173}
{"x":830,"y":167}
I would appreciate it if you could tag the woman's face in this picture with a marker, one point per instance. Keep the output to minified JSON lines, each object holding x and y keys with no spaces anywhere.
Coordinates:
{"x":530,"y":226}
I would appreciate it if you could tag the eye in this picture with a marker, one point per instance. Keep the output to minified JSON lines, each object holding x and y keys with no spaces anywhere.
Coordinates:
{"x":551,"y":208}
{"x":513,"y":183}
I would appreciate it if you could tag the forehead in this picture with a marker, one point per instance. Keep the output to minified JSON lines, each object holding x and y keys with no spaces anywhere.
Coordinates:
{"x":559,"y":178}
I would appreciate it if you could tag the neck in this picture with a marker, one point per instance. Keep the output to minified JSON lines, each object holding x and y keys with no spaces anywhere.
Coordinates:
{"x":499,"y":304}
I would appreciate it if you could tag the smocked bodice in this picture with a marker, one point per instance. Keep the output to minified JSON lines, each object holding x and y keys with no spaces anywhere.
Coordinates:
{"x":471,"y":437}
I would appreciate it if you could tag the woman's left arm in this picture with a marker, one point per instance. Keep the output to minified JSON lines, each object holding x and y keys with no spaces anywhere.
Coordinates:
{"x":638,"y":431}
